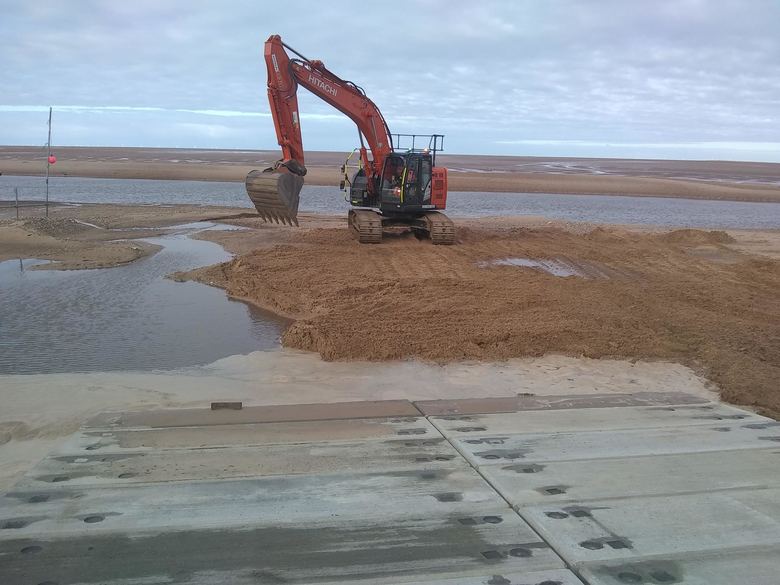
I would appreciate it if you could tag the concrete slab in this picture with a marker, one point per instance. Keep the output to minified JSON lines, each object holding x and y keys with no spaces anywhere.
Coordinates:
{"x":626,"y":488}
{"x":555,"y":577}
{"x":119,"y":440}
{"x":526,"y":484}
{"x":591,"y":419}
{"x":410,"y":548}
{"x":271,"y":501}
{"x":631,"y":528}
{"x":751,"y":567}
{"x":66,"y":471}
{"x":539,"y":447}
{"x":254,"y":414}
{"x":522,"y":402}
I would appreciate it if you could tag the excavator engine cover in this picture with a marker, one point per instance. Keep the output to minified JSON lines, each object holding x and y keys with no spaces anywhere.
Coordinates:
{"x":275,"y":195}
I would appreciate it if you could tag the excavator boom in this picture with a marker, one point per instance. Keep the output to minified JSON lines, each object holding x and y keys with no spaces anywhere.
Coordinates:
{"x":285,"y":74}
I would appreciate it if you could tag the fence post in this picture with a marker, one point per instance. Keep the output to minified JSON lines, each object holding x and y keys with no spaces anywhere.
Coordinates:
{"x":16,"y":195}
{"x":48,"y":164}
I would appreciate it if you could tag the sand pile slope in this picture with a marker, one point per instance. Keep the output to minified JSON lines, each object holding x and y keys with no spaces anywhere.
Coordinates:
{"x":685,"y":296}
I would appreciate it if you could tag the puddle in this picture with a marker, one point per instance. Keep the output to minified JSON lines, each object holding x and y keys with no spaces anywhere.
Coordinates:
{"x":126,"y":318}
{"x":206,"y":225}
{"x":554,"y":267}
{"x":17,"y":268}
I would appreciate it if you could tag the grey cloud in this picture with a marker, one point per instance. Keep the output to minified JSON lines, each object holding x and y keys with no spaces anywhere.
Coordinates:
{"x":491,"y":75}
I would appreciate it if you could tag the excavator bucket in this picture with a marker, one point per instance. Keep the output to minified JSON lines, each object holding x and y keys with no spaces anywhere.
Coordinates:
{"x":275,"y":195}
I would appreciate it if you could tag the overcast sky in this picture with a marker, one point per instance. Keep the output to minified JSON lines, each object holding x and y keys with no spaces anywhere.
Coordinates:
{"x":623,"y":78}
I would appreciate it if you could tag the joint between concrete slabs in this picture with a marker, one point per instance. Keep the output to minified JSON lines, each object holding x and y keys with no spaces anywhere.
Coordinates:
{"x":501,"y":495}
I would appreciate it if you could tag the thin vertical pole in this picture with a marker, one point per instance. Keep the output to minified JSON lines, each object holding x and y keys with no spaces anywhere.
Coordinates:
{"x":16,"y":195}
{"x":48,"y":155}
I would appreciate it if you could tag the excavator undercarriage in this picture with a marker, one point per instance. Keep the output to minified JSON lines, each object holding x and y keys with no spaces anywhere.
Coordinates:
{"x":367,"y":225}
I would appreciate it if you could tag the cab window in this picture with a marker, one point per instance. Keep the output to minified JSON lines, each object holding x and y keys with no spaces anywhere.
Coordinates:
{"x":425,"y":179}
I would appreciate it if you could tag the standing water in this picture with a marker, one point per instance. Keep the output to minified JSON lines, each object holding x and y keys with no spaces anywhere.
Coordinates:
{"x":125,"y":318}
{"x":654,"y":211}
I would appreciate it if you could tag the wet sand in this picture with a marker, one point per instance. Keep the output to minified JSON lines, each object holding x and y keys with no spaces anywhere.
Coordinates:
{"x":716,"y":180}
{"x":91,"y":236}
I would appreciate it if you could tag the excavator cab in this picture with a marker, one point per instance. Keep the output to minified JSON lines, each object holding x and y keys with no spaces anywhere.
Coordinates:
{"x":406,"y":182}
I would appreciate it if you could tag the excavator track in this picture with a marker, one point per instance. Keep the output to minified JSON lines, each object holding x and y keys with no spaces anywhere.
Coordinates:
{"x":366,"y":225}
{"x":440,"y":228}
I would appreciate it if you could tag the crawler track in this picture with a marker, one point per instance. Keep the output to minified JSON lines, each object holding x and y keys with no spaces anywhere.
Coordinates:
{"x":440,"y":228}
{"x":366,"y":225}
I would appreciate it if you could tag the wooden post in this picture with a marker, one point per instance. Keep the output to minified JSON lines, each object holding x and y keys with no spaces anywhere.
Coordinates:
{"x":16,"y":195}
{"x":48,"y":154}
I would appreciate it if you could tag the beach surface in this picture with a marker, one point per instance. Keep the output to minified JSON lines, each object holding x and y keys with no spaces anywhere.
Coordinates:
{"x":512,"y":287}
{"x":716,"y":180}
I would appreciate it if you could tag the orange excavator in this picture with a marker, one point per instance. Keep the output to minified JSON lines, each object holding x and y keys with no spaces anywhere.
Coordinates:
{"x":397,"y":184}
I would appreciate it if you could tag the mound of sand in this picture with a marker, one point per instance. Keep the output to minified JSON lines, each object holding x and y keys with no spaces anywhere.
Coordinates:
{"x":696,"y":237}
{"x":636,"y":295}
{"x":57,"y":227}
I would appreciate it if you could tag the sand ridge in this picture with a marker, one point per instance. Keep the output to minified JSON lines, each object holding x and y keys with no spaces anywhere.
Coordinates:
{"x":91,"y":236}
{"x":688,"y":295}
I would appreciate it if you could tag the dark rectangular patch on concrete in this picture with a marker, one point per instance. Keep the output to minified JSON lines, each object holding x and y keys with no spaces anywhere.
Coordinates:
{"x":563,"y":401}
{"x":227,"y":405}
{"x":311,"y":552}
{"x":254,"y":414}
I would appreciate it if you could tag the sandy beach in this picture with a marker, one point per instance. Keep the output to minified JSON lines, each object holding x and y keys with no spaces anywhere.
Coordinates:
{"x":589,"y":291}
{"x":91,"y":236}
{"x":717,"y":180}
{"x":520,"y":309}
{"x":635,"y":308}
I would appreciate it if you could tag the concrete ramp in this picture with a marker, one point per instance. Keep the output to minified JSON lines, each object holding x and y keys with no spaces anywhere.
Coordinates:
{"x":645,"y":489}
{"x":265,"y":495}
{"x":651,"y":494}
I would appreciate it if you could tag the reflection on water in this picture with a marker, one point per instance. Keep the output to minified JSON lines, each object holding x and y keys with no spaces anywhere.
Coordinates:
{"x":125,"y":318}
{"x":590,"y":208}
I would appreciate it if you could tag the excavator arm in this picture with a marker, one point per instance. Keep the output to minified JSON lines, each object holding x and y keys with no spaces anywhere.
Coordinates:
{"x":285,"y":74}
{"x":275,"y":191}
